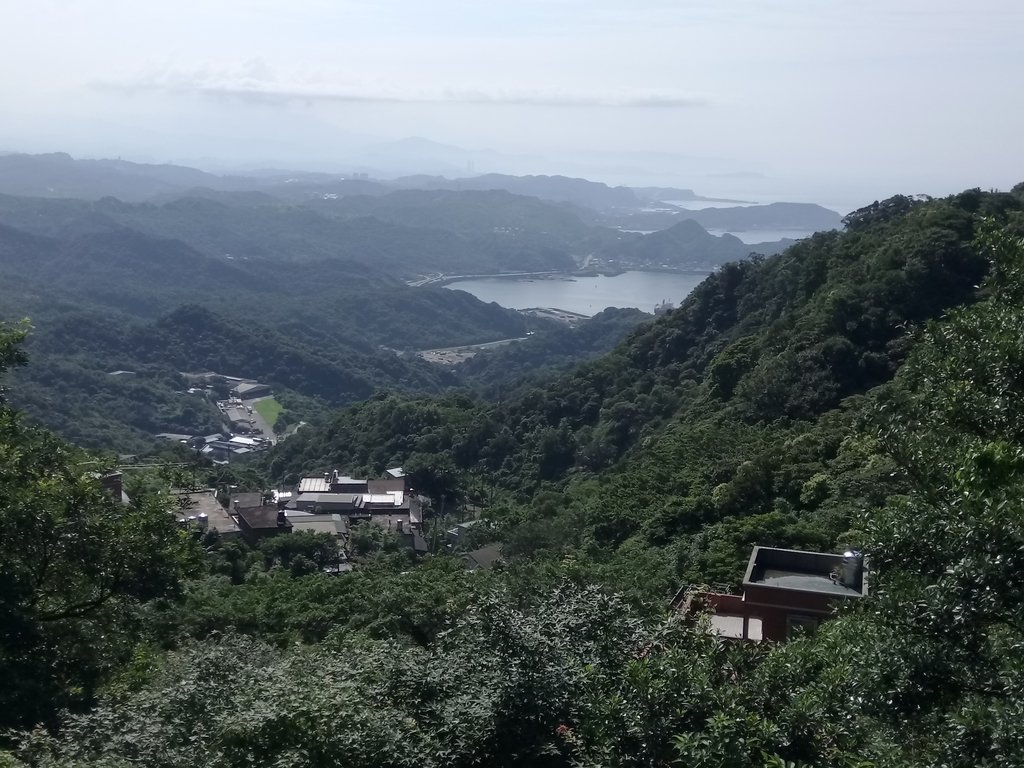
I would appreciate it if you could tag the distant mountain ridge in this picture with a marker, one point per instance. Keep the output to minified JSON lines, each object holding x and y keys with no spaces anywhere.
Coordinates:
{"x":562,"y":189}
{"x":119,"y":299}
{"x":805,"y":216}
{"x":406,"y":233}
{"x":687,"y":245}
{"x":367,"y":233}
{"x":770,"y":218}
{"x":58,"y":175}
{"x":662,"y":194}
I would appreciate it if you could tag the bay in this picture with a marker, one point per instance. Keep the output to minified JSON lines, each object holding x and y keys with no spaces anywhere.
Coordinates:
{"x":754,"y":236}
{"x":584,"y":295}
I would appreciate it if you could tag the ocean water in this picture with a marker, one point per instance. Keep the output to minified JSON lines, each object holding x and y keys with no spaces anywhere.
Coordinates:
{"x":764,"y":235}
{"x":585,"y":295}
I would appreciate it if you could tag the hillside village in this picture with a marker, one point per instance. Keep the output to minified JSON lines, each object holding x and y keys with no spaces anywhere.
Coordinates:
{"x":245,"y":432}
{"x":331,"y":503}
{"x":512,"y":385}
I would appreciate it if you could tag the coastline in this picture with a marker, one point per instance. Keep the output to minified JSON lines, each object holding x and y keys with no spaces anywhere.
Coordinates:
{"x":528,"y":276}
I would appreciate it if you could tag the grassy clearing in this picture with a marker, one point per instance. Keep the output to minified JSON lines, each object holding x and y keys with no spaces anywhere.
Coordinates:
{"x":269,"y":409}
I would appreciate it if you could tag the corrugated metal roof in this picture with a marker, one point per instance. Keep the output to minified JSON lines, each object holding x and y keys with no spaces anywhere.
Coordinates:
{"x":314,"y":485}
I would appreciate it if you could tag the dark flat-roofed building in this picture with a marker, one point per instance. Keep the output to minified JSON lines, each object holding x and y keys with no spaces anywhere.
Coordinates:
{"x":246,"y":499}
{"x":326,"y":502}
{"x":344,"y":484}
{"x":484,"y":558}
{"x":785,"y":591}
{"x":261,"y":522}
{"x":202,"y":510}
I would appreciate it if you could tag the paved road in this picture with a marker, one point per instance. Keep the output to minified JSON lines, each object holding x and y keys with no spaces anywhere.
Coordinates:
{"x":259,"y":422}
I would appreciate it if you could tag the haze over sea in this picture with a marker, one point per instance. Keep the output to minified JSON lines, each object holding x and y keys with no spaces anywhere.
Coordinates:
{"x":585,"y":295}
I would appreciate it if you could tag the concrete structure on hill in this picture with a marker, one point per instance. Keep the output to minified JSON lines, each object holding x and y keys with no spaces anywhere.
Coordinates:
{"x":174,"y":437}
{"x":386,"y":502}
{"x":238,"y":417}
{"x":257,"y":523}
{"x":483,"y":559}
{"x":785,"y":592}
{"x":332,"y":524}
{"x":221,"y":449}
{"x":200,"y":511}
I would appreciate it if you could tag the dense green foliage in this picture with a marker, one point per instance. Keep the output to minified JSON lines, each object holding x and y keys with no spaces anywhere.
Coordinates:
{"x":501,"y":372}
{"x":75,"y":564}
{"x":305,"y":295}
{"x":723,"y":423}
{"x":331,"y":230}
{"x":295,"y":280}
{"x":123,"y":301}
{"x":862,"y":388}
{"x":686,"y":245}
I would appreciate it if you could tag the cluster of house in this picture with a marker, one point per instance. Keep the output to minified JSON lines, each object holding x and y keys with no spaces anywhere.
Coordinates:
{"x":243,"y":389}
{"x":242,"y":435}
{"x":331,"y":503}
{"x":786,"y":592}
{"x":220,"y":447}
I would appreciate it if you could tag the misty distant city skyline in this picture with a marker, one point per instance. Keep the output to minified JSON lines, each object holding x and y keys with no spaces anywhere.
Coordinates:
{"x":839,"y":103}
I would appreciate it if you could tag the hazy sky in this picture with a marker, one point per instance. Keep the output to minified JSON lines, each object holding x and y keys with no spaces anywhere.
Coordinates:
{"x":776,"y":98}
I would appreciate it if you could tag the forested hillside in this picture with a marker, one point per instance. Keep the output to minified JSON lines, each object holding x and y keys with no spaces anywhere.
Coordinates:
{"x":685,"y":245}
{"x":306,"y":292}
{"x":121,"y":300}
{"x":68,"y":384}
{"x":861,"y":389}
{"x":502,"y":372}
{"x":722,"y":424}
{"x":806,"y":217}
{"x":271,"y":231}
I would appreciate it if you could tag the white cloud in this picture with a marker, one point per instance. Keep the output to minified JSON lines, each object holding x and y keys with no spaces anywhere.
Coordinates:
{"x":255,"y":81}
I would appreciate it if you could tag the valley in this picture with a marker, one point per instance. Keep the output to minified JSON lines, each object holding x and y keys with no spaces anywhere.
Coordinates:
{"x":534,"y":384}
{"x":304,"y":285}
{"x":370,"y":476}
